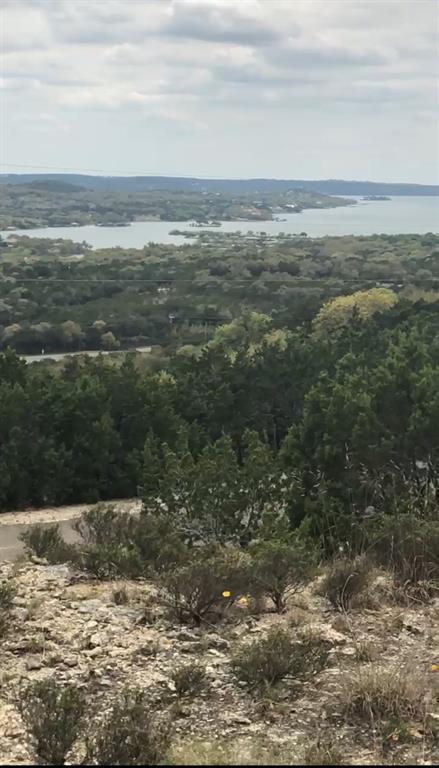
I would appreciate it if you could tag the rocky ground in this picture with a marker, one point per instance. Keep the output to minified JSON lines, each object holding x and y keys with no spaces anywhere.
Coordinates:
{"x":70,"y":627}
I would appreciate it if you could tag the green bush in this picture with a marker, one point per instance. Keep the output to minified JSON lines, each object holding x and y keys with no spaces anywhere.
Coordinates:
{"x":189,"y":679}
{"x":207,"y":585}
{"x":130,"y":734}
{"x":281,"y":568}
{"x":345,"y":579}
{"x":46,"y":541}
{"x":264,"y":662}
{"x":108,"y":562}
{"x":118,"y":543}
{"x":53,"y":715}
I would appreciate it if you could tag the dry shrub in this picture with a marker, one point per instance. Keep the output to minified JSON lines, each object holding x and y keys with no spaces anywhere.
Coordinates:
{"x":130,"y":734}
{"x":208,"y":584}
{"x":346,"y":580}
{"x":266,"y":661}
{"x":189,"y":679}
{"x":297,"y":617}
{"x":120,"y":595}
{"x":409,"y":594}
{"x":381,"y":693}
{"x":47,"y":542}
{"x":408,"y":545}
{"x":53,"y":715}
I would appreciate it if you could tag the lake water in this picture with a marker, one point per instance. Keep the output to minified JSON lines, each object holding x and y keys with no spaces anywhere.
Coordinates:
{"x":399,"y":215}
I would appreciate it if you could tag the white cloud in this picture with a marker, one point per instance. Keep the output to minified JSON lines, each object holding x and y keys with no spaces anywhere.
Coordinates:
{"x":254,"y":73}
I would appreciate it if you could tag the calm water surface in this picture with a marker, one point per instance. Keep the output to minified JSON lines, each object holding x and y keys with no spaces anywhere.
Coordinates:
{"x":399,"y":215}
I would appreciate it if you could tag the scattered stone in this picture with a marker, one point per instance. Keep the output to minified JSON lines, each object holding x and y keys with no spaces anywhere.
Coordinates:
{"x":91,"y":606}
{"x":185,"y":634}
{"x":190,"y":647}
{"x":332,"y":636}
{"x":32,"y":663}
{"x":215,"y":641}
{"x":236,"y":719}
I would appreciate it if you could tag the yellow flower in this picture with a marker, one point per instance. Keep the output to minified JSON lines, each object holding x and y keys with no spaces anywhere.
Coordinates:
{"x":434,"y":668}
{"x":226,"y":593}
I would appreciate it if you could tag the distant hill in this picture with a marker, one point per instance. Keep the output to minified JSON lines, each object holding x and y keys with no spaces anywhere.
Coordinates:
{"x":54,"y":185}
{"x":230,"y":186}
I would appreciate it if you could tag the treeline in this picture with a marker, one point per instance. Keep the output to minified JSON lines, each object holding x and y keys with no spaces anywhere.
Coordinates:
{"x":169,"y":295}
{"x":56,"y":203}
{"x":332,"y":425}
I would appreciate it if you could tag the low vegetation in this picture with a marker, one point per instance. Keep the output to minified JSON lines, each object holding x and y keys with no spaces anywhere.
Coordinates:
{"x":7,"y":593}
{"x":291,"y":452}
{"x":53,"y":715}
{"x":46,"y":541}
{"x":346,"y":580}
{"x":375,"y":694}
{"x":130,"y":734}
{"x":205,"y":588}
{"x":265,"y":662}
{"x":189,"y":679}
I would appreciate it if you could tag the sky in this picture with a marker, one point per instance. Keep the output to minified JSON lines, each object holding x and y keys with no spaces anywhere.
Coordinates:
{"x":304,"y":89}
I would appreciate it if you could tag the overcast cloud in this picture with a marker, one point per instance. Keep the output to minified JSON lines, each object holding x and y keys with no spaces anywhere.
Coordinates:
{"x":279,"y":88}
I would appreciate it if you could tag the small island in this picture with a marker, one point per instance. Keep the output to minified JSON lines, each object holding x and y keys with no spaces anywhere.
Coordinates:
{"x":376,"y":197}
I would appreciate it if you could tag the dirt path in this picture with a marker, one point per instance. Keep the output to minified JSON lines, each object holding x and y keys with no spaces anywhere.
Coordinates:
{"x":13,"y":523}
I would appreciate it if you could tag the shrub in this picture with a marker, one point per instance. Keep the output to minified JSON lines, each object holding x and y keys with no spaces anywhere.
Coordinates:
{"x":345,"y":580}
{"x":189,"y":679}
{"x":122,"y":544}
{"x":46,"y":541}
{"x":130,"y":734}
{"x":109,"y":543}
{"x":7,"y":594}
{"x":281,"y":568}
{"x":120,"y":596}
{"x":53,"y":715}
{"x":377,"y":693}
{"x":108,"y":562}
{"x":265,"y":662}
{"x":407,"y":545}
{"x":207,"y":585}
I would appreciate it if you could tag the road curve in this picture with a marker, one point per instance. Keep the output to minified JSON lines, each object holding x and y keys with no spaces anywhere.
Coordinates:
{"x":13,"y":523}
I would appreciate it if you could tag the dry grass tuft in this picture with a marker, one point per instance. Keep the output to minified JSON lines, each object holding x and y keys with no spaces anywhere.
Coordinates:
{"x":238,"y":752}
{"x":297,"y":617}
{"x":377,"y":693}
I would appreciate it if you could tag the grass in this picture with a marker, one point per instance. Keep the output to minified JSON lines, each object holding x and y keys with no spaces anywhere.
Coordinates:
{"x":323,"y":751}
{"x":232,"y":752}
{"x":381,"y":693}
